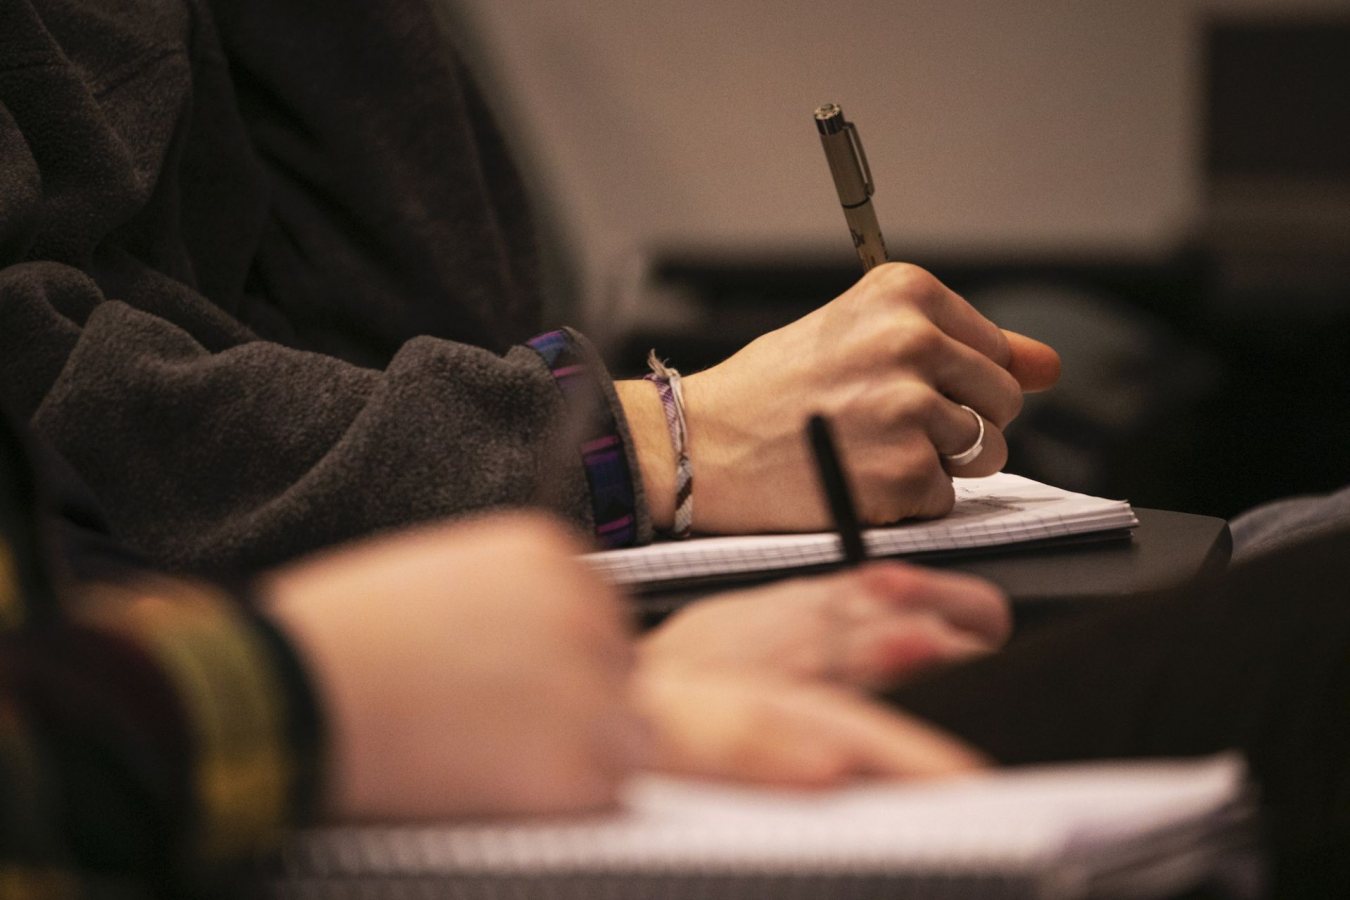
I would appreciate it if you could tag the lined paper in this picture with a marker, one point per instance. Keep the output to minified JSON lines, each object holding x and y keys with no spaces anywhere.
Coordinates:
{"x":1061,"y":830}
{"x":999,"y":510}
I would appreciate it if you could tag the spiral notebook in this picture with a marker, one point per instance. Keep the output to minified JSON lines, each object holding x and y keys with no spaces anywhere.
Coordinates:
{"x":998,"y":511}
{"x":1127,"y":829}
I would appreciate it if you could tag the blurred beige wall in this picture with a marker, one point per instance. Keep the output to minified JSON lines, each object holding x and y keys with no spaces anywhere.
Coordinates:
{"x":992,"y":126}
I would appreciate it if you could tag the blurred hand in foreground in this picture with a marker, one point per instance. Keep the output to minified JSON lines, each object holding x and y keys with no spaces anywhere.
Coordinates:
{"x":870,"y":627}
{"x":466,"y":669}
{"x":482,"y":669}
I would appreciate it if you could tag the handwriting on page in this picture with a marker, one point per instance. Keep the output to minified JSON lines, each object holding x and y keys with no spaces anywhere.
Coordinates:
{"x":973,"y":502}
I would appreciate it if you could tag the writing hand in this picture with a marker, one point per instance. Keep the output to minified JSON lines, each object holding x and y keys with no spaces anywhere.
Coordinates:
{"x":889,"y":362}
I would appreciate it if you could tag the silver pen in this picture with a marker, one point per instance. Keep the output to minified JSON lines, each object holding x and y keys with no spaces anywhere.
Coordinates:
{"x":853,"y":181}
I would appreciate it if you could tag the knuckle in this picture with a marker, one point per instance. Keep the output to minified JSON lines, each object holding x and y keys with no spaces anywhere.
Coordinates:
{"x":884,"y":503}
{"x":905,"y":490}
{"x":888,"y":274}
{"x":927,"y":404}
{"x":1007,"y":402}
{"x":941,"y":498}
{"x":910,"y":408}
{"x":880,"y":510}
{"x":997,"y":457}
{"x":917,"y":340}
{"x":916,"y":483}
{"x":899,"y":402}
{"x":1002,"y":349}
{"x":906,"y":283}
{"x":903,"y":277}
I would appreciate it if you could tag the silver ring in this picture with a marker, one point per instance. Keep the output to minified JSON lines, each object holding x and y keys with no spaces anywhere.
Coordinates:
{"x":971,"y":453}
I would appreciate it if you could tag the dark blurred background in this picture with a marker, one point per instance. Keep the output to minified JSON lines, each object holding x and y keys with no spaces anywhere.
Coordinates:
{"x":1160,"y":190}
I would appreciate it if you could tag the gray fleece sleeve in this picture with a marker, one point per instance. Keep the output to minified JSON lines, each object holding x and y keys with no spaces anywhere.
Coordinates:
{"x":248,"y":454}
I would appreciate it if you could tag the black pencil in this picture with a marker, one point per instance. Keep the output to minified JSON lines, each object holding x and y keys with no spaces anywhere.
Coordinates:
{"x":835,"y":487}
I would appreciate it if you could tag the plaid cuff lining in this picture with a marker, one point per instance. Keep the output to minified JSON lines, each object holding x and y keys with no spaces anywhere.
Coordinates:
{"x":613,"y":505}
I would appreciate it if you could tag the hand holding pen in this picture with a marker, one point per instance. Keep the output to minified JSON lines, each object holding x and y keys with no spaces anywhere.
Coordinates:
{"x":853,"y":181}
{"x":916,"y":382}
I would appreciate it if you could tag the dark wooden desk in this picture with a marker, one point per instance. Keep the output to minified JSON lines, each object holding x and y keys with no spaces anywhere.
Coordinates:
{"x":1166,"y":550}
{"x":1048,"y":581}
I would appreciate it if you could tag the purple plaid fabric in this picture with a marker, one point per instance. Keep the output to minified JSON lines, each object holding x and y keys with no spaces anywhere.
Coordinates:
{"x":613,"y":504}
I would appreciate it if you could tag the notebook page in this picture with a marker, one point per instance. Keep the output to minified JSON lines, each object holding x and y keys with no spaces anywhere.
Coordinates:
{"x":1009,"y":821}
{"x":994,"y":511}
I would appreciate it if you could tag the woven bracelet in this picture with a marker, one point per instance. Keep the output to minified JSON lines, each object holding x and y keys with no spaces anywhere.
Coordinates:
{"x":667,"y":382}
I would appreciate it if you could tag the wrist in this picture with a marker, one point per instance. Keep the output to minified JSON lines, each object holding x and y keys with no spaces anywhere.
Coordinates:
{"x":651,"y":444}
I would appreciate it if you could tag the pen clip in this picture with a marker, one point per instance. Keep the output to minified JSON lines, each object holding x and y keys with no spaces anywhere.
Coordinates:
{"x":856,"y":143}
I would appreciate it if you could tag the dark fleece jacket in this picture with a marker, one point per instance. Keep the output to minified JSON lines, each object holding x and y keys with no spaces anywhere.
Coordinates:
{"x":262,"y":264}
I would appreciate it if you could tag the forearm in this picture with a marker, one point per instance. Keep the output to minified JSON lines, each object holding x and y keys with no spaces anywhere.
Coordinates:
{"x":257,"y":453}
